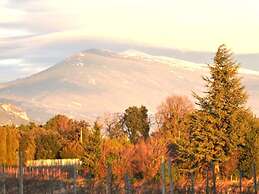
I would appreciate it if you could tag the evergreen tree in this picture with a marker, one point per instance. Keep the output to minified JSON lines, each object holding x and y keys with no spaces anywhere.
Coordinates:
{"x":48,"y":145}
{"x":72,"y":149}
{"x":92,"y":150}
{"x":249,"y":149}
{"x":257,"y":145}
{"x":216,"y":128}
{"x":136,"y":123}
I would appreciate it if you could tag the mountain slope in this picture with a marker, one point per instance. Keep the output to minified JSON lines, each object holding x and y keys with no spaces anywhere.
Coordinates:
{"x":95,"y":81}
{"x":10,"y":114}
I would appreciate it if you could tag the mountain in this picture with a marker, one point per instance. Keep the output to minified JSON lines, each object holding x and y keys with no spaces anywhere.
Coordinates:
{"x":92,"y":82}
{"x":10,"y":114}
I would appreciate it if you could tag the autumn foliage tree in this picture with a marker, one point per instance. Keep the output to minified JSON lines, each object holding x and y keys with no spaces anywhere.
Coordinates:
{"x":146,"y":158}
{"x":9,"y":144}
{"x":28,"y":135}
{"x":172,"y":115}
{"x":48,"y":145}
{"x":118,"y":154}
{"x":59,"y":123}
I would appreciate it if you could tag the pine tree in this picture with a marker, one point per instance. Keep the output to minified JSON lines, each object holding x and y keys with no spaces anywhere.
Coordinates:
{"x":249,"y":149}
{"x":92,"y":150}
{"x":215,"y":128}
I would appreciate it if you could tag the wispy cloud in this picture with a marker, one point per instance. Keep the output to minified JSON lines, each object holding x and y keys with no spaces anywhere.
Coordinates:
{"x":197,"y":25}
{"x":43,"y":32}
{"x":13,"y":68}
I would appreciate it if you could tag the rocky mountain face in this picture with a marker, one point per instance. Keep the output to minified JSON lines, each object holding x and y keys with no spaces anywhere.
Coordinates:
{"x":10,"y":114}
{"x":93,"y":82}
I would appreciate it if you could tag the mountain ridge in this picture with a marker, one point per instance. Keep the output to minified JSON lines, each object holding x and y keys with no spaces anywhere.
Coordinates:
{"x":95,"y":81}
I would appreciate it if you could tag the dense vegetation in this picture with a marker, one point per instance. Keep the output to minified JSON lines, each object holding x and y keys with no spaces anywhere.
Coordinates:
{"x":220,"y":129}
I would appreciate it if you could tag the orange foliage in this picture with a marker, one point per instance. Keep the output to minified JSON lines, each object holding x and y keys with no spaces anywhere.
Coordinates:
{"x":171,"y":113}
{"x":231,"y":164}
{"x":59,"y":123}
{"x":147,"y":157}
{"x":117,"y":153}
{"x":143,"y":158}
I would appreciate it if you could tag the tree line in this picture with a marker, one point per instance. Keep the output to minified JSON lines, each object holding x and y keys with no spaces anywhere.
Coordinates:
{"x":220,"y":128}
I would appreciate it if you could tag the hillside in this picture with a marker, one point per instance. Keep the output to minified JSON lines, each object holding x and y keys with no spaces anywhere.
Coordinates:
{"x":92,"y":82}
{"x":10,"y":114}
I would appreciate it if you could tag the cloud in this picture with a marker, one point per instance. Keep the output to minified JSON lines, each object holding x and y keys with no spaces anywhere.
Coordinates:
{"x":17,"y":68}
{"x":20,"y":66}
{"x":10,"y":62}
{"x":196,"y":25}
{"x":43,"y":32}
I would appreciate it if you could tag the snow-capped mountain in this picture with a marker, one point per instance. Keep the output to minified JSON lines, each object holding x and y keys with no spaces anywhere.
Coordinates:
{"x":92,"y":82}
{"x":10,"y":114}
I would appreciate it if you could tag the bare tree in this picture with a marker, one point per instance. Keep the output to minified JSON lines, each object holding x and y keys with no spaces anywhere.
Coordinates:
{"x":112,"y":125}
{"x":172,"y":112}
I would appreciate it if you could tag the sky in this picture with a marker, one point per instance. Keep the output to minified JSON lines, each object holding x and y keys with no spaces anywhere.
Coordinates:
{"x":37,"y":34}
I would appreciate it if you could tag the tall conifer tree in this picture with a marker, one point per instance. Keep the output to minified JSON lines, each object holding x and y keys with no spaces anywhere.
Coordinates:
{"x":92,"y":150}
{"x":215,"y":128}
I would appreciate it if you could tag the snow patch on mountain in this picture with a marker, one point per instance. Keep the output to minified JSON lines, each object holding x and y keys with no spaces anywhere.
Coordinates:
{"x":134,"y":54}
{"x":175,"y":62}
{"x":79,"y":64}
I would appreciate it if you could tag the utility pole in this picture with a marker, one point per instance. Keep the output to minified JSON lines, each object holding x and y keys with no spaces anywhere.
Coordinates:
{"x":170,"y":175}
{"x":81,"y":136}
{"x":255,"y":179}
{"x":214,"y":187}
{"x":74,"y":179}
{"x":240,"y":180}
{"x":163,"y":176}
{"x":128,"y":189}
{"x":109,"y":179}
{"x":207,"y":181}
{"x":20,"y":172}
{"x":193,"y":182}
{"x":4,"y":180}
